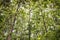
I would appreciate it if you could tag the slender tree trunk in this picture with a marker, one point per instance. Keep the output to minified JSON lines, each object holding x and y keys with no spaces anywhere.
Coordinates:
{"x":29,"y":28}
{"x":29,"y":24}
{"x":10,"y":33}
{"x":12,"y":24}
{"x":29,"y":31}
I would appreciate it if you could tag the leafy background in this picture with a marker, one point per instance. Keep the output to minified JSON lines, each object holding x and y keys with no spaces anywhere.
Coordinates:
{"x":29,"y":19}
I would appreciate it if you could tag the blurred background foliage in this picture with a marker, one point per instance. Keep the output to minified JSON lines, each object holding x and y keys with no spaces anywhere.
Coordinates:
{"x":29,"y":19}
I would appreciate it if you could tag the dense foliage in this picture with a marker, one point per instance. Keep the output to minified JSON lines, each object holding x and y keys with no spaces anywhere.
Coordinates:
{"x":29,"y":19}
